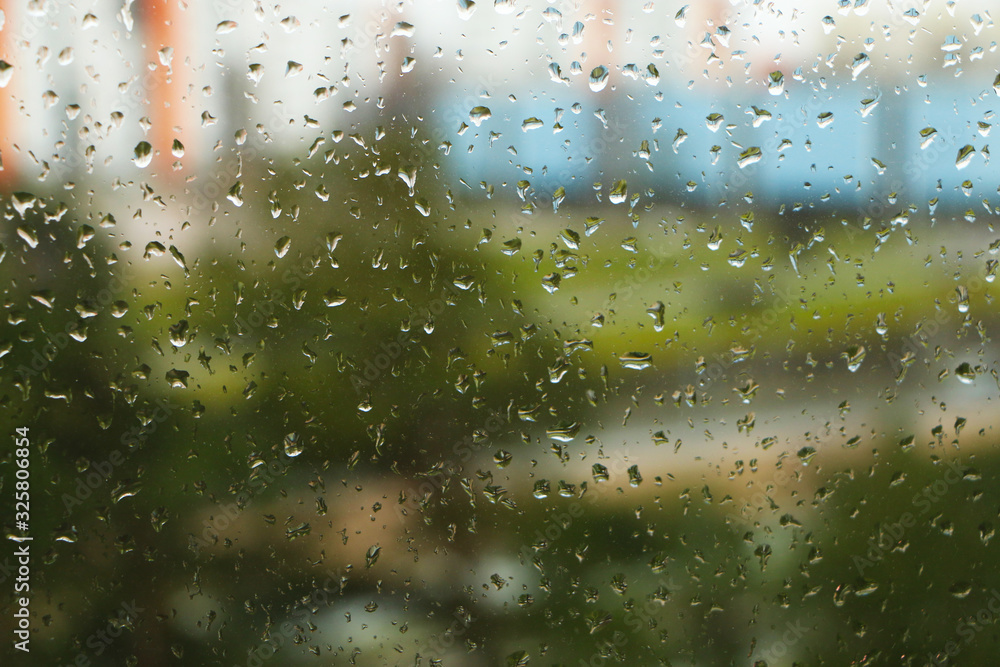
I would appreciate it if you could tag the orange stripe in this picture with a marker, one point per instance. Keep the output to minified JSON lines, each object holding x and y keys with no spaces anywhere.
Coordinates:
{"x":164,"y":28}
{"x":8,"y":106}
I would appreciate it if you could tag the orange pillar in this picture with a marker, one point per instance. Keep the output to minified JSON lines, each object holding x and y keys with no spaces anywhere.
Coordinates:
{"x":8,"y":101}
{"x":165,"y":40}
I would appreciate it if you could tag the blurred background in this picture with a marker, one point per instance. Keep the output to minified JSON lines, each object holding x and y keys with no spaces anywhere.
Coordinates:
{"x":469,"y":333}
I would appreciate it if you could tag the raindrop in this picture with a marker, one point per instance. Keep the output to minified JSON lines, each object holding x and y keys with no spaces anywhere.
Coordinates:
{"x":479,"y":114}
{"x":402,"y":29}
{"x":963,"y":298}
{"x":776,"y":83}
{"x":334,"y":298}
{"x":293,"y":445}
{"x":679,"y":139}
{"x":860,"y":63}
{"x":619,"y":193}
{"x":636,"y":360}
{"x":680,"y":18}
{"x":854,"y":355}
{"x":282,"y":246}
{"x":564,"y":431}
{"x":598,"y":78}
{"x":511,"y":247}
{"x":531,"y":124}
{"x":927,"y":137}
{"x":965,"y":155}
{"x":466,"y":8}
{"x":178,"y":334}
{"x":178,"y":379}
{"x":143,"y":154}
{"x":371,"y":556}
{"x":505,"y":6}
{"x":749,"y":156}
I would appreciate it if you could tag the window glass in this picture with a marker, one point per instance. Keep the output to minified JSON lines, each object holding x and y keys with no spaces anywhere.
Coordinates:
{"x":441,"y":332}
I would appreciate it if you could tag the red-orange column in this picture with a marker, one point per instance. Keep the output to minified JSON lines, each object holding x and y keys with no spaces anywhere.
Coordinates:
{"x":163,"y":25}
{"x":8,"y":103}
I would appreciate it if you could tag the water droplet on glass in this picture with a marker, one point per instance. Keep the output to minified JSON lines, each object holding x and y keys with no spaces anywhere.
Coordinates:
{"x":551,"y":282}
{"x":531,"y":124}
{"x":143,"y":154}
{"x":178,"y":334}
{"x":479,"y":114}
{"x":749,"y":156}
{"x":854,"y":355}
{"x":965,"y":155}
{"x":511,"y":247}
{"x":598,"y":78}
{"x":680,"y":18}
{"x":466,"y":8}
{"x":960,"y":590}
{"x":177,"y":379}
{"x":505,"y":6}
{"x":776,"y":83}
{"x":619,"y":193}
{"x":293,"y":445}
{"x":154,"y":249}
{"x":282,"y":246}
{"x":963,"y":298}
{"x":927,"y":136}
{"x":965,"y":373}
{"x":636,"y":360}
{"x":859,"y":64}
{"x":657,"y":311}
{"x":402,"y":29}
{"x":371,"y":556}
{"x":564,"y":431}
